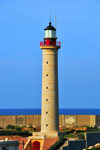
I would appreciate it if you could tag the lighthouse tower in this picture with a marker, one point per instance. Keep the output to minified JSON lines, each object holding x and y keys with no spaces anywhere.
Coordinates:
{"x":50,"y":103}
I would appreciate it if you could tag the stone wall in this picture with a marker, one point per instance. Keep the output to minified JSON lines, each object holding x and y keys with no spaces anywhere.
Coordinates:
{"x":5,"y":120}
{"x":33,"y":119}
{"x":64,"y":120}
{"x":1,"y":121}
{"x":83,"y":120}
{"x":93,"y":120}
{"x":98,"y":120}
{"x":70,"y":120}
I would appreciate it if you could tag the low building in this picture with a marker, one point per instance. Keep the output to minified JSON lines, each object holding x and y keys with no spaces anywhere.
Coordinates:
{"x":9,"y":145}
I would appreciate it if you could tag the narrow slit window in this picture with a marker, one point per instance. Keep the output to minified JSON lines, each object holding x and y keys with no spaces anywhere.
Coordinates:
{"x":46,"y":62}
{"x":46,"y":125}
{"x":46,"y":87}
{"x":46,"y":75}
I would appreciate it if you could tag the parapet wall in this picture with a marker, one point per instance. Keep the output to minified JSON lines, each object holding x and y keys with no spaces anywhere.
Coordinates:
{"x":79,"y":120}
{"x":64,"y":120}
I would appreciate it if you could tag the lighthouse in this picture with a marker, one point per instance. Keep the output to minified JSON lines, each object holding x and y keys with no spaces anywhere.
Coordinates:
{"x":50,"y":102}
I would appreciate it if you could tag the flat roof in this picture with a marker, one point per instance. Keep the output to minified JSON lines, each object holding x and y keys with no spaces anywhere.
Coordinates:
{"x":9,"y":142}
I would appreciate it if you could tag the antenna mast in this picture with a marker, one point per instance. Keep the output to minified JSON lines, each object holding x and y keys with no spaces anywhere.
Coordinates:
{"x":50,"y":18}
{"x":55,"y":22}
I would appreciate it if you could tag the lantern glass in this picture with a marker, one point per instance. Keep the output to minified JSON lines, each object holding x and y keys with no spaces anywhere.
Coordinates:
{"x":50,"y":33}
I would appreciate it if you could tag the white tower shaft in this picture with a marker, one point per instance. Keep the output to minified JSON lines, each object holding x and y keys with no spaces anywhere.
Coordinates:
{"x":50,"y":108}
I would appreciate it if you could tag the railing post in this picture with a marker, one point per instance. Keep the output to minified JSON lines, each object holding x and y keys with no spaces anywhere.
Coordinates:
{"x":56,"y":43}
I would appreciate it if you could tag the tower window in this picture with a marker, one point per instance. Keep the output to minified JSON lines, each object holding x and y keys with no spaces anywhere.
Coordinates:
{"x":46,"y":125}
{"x":46,"y":87}
{"x":46,"y":62}
{"x":46,"y":99}
{"x":46,"y":75}
{"x":46,"y":112}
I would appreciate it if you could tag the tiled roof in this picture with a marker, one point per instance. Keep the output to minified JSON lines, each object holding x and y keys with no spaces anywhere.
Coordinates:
{"x":48,"y":142}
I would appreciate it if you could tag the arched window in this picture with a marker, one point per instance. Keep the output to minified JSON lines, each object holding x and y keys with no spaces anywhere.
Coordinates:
{"x":36,"y":145}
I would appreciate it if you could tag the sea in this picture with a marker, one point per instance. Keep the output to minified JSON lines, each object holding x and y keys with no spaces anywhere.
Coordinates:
{"x":65,"y":111}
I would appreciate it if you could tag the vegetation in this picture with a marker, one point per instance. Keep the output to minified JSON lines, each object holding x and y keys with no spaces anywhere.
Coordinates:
{"x":13,"y":127}
{"x":21,"y":128}
{"x":16,"y":132}
{"x":75,"y":135}
{"x":82,"y":129}
{"x":30,"y":126}
{"x":61,"y":140}
{"x":90,"y":129}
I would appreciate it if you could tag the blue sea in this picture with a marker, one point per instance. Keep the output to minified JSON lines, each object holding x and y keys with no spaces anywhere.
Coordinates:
{"x":38,"y":111}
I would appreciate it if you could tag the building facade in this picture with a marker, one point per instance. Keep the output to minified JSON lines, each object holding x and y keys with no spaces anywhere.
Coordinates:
{"x":9,"y":145}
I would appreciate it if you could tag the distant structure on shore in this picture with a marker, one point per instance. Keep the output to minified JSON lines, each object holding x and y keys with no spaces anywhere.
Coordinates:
{"x":50,"y":104}
{"x":64,"y":120}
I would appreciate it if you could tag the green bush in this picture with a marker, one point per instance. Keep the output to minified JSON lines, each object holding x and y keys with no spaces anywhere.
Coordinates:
{"x":16,"y":132}
{"x":10,"y":127}
{"x":13,"y":127}
{"x":18,"y":128}
{"x":30,"y":126}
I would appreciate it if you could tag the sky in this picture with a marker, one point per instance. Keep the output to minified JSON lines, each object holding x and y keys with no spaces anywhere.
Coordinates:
{"x":22,"y":24}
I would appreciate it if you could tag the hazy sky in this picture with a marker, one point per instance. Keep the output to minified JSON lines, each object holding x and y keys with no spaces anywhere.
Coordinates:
{"x":22,"y":24}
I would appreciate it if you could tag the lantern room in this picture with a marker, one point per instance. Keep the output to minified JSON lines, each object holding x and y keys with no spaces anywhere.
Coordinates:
{"x":50,"y":31}
{"x":50,"y":37}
